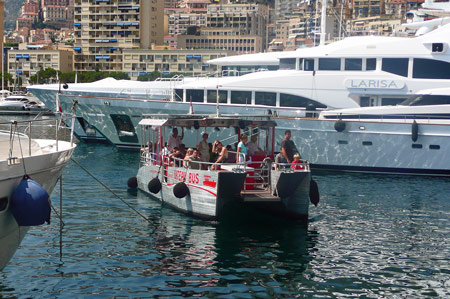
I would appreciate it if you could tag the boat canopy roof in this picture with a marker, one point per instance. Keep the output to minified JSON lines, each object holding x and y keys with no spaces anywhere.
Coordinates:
{"x":198,"y":120}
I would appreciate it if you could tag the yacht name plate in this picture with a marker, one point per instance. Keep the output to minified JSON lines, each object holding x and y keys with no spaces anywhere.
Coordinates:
{"x":374,"y":83}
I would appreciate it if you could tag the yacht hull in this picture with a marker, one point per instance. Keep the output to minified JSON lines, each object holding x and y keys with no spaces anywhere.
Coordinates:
{"x":376,"y":146}
{"x":45,"y":169}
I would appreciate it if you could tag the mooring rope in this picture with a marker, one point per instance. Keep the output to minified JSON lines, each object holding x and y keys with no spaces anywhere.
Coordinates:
{"x":109,"y":189}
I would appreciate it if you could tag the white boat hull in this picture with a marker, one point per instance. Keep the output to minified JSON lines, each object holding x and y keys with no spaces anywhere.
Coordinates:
{"x":45,"y":169}
{"x":376,"y":146}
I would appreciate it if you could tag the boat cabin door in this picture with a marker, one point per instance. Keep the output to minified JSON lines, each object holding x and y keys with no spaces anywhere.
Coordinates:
{"x":369,"y":101}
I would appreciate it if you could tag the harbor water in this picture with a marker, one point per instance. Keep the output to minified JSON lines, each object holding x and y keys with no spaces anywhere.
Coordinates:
{"x":371,"y":236}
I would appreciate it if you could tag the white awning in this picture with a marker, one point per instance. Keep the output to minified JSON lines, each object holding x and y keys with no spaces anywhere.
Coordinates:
{"x":152,"y":122}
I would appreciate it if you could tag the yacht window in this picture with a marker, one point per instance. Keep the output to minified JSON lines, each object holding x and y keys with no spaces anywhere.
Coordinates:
{"x":364,"y":101}
{"x":398,"y":66}
{"x":329,"y":64}
{"x":371,"y":64}
{"x":124,"y":128}
{"x":194,"y":95}
{"x":211,"y":96}
{"x":435,"y":146}
{"x":241,"y":97}
{"x":289,"y":100}
{"x":309,"y":65}
{"x":427,"y":100}
{"x":287,"y":64}
{"x":431,"y":69}
{"x":391,"y":101}
{"x":300,"y":64}
{"x":265,"y":98}
{"x":353,"y":64}
{"x":179,"y":95}
{"x":416,"y":145}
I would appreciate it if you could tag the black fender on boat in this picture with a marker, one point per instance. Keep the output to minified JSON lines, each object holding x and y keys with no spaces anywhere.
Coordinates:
{"x":132,"y":182}
{"x":181,"y":190}
{"x":314,"y":195}
{"x":414,"y":131}
{"x":339,"y":125}
{"x":154,"y":186}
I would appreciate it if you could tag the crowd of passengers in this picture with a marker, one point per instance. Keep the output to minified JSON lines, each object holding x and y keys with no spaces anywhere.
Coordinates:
{"x":216,"y":153}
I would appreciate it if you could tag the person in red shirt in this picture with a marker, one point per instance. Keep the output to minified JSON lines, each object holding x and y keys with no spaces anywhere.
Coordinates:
{"x":297,"y":163}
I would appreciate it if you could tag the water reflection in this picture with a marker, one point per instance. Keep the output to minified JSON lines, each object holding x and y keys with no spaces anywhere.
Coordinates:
{"x":201,"y":258}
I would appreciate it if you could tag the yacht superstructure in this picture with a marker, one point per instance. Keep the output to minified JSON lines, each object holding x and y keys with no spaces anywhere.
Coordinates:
{"x":354,"y":72}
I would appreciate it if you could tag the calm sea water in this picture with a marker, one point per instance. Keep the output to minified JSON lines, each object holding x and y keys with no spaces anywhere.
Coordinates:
{"x":371,"y":236}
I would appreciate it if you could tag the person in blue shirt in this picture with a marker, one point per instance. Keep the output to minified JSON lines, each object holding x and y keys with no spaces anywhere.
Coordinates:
{"x":242,"y":150}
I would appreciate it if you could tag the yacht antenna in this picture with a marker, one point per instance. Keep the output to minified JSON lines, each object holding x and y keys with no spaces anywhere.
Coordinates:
{"x":323,"y":23}
{"x":217,"y":101}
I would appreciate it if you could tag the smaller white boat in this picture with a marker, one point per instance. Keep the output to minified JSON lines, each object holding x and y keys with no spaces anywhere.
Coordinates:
{"x":216,"y":191}
{"x":24,"y":102}
{"x":29,"y":170}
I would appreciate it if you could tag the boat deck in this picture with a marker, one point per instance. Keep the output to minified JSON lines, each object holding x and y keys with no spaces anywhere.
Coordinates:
{"x":259,"y":196}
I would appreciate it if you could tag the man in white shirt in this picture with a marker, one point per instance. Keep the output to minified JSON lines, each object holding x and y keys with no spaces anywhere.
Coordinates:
{"x":175,"y":140}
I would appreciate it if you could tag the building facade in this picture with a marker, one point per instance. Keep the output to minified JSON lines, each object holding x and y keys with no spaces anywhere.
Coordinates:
{"x":140,"y":62}
{"x":103,"y":29}
{"x":226,"y":39}
{"x":28,"y":60}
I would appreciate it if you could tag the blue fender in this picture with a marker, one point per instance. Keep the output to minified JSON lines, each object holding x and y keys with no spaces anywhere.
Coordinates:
{"x":29,"y":203}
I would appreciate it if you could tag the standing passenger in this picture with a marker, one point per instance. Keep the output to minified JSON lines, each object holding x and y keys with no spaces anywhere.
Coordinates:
{"x":287,"y":147}
{"x":203,"y":148}
{"x":242,"y":150}
{"x":175,"y":140}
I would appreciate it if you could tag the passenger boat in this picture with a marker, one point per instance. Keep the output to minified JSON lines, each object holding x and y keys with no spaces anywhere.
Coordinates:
{"x":410,"y":138}
{"x":354,"y":72}
{"x":29,"y":170}
{"x":214,"y":191}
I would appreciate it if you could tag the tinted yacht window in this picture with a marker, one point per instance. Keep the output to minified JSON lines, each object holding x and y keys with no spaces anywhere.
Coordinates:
{"x":371,"y":64}
{"x":265,"y":98}
{"x":398,"y":66}
{"x":241,"y":97}
{"x":287,"y":64}
{"x":178,"y":95}
{"x":289,"y":100}
{"x":329,"y":64}
{"x":431,"y":69}
{"x":427,"y":100}
{"x":194,"y":95}
{"x":308,"y":65}
{"x":211,"y":96}
{"x":353,"y":64}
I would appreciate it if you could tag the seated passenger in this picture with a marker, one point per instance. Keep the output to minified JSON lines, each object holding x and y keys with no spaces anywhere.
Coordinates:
{"x":297,"y":163}
{"x":192,"y":161}
{"x":175,"y":157}
{"x":253,"y":148}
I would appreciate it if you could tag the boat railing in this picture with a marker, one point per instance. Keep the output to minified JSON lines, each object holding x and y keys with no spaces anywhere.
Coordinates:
{"x":258,"y":172}
{"x":292,"y":167}
{"x":23,"y":132}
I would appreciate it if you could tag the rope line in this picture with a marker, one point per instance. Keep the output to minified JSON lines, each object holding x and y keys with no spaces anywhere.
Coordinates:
{"x":109,"y":189}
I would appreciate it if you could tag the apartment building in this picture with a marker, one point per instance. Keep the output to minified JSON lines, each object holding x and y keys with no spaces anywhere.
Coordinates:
{"x":140,"y":61}
{"x":29,"y":59}
{"x":367,"y":8}
{"x":60,"y":16}
{"x":226,"y":39}
{"x":29,"y":13}
{"x":247,"y":19}
{"x":104,"y":28}
{"x":178,"y":22}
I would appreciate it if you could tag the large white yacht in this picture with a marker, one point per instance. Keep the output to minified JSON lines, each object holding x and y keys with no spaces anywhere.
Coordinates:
{"x":357,"y":71}
{"x":413,"y":137}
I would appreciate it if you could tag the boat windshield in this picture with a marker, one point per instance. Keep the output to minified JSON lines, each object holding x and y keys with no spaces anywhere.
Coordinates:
{"x":427,"y":100}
